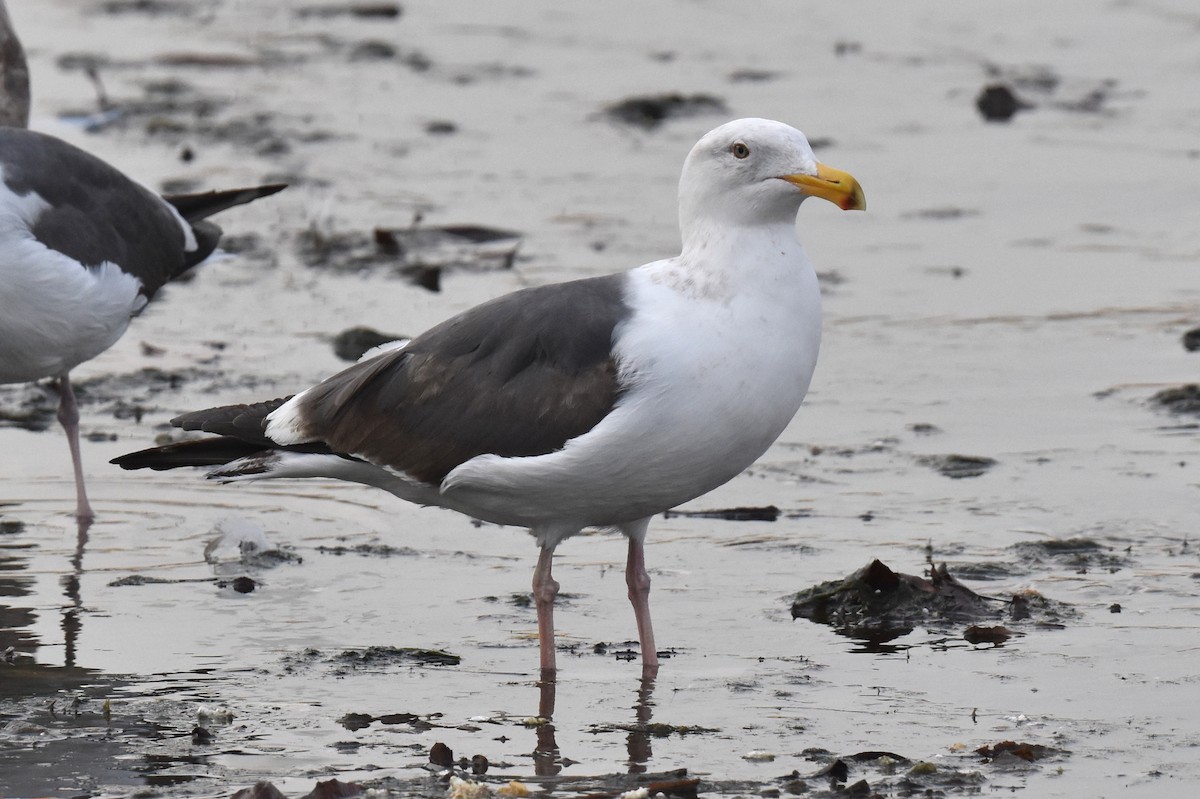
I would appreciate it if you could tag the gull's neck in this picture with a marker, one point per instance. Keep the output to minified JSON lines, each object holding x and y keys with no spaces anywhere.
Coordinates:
{"x":721,"y":260}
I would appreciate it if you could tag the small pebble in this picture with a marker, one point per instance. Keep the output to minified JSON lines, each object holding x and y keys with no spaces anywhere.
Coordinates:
{"x":441,"y":755}
{"x":997,"y":103}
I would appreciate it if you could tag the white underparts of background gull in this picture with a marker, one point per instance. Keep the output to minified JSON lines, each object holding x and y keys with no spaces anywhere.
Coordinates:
{"x":82,"y":250}
{"x":593,"y":403}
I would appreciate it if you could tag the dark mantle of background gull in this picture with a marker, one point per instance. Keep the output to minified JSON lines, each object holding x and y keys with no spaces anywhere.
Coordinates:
{"x":1017,"y":292}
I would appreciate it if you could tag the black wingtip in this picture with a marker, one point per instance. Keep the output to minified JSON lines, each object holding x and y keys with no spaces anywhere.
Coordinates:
{"x":137,"y":460}
{"x":216,"y":451}
{"x":201,"y":205}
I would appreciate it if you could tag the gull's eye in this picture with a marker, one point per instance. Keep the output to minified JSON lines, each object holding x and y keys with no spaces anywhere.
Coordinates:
{"x":740,"y":150}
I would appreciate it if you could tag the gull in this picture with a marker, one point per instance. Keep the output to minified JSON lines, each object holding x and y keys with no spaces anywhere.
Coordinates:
{"x":83,"y":249}
{"x":598,"y":402}
{"x":14,"y":75}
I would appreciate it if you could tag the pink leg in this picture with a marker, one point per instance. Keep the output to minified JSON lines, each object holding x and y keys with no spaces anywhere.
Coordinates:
{"x":639,"y":591}
{"x":545,"y":589}
{"x":68,"y":417}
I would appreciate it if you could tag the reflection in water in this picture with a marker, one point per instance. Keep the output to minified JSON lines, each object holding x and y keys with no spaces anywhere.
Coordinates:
{"x":637,"y":744}
{"x":547,"y":760}
{"x":24,"y":675}
{"x":71,"y":621}
{"x":16,"y":622}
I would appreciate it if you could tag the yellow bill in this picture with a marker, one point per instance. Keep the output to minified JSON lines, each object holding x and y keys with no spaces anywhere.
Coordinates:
{"x":840,"y":188}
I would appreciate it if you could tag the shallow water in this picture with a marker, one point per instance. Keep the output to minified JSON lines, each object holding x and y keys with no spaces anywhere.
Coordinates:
{"x":1016,"y":291}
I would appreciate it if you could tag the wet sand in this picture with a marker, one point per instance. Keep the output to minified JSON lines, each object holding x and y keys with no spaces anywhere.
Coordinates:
{"x":1017,"y":291}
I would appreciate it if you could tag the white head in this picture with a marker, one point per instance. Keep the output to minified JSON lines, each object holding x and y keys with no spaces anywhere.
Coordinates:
{"x":757,"y":172}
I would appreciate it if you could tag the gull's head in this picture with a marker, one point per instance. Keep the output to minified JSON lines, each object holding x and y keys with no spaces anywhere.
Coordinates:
{"x":758,"y":171}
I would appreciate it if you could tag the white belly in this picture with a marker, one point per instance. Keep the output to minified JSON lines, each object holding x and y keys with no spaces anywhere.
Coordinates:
{"x":55,"y":314}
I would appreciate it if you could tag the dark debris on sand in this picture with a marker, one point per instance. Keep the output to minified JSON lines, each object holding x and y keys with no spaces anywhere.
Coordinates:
{"x":329,"y":789}
{"x":765,"y":513}
{"x":655,"y":729}
{"x":369,"y":550}
{"x":29,"y":406}
{"x":648,"y":112}
{"x":864,"y":774}
{"x":1015,"y":89}
{"x":419,"y":253}
{"x":957,"y":467}
{"x":677,"y":784}
{"x":370,"y":658}
{"x":360,"y":721}
{"x":1080,"y":554}
{"x":1191,"y":340}
{"x":173,"y":110}
{"x":998,"y":103}
{"x":377,"y":656}
{"x":876,"y":604}
{"x":1183,"y":399}
{"x":142,"y":579}
{"x":1002,"y":750}
{"x":362,"y":10}
{"x":128,"y":395}
{"x":179,"y":8}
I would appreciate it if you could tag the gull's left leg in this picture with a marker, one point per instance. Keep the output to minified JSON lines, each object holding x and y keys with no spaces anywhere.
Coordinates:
{"x":545,"y":589}
{"x":68,"y":417}
{"x":639,"y":588}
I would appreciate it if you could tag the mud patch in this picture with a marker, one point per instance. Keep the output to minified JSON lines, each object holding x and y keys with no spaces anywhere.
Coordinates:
{"x":372,"y":658}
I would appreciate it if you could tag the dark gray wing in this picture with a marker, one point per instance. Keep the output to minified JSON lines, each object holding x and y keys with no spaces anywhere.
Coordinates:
{"x":520,"y":375}
{"x":97,"y":214}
